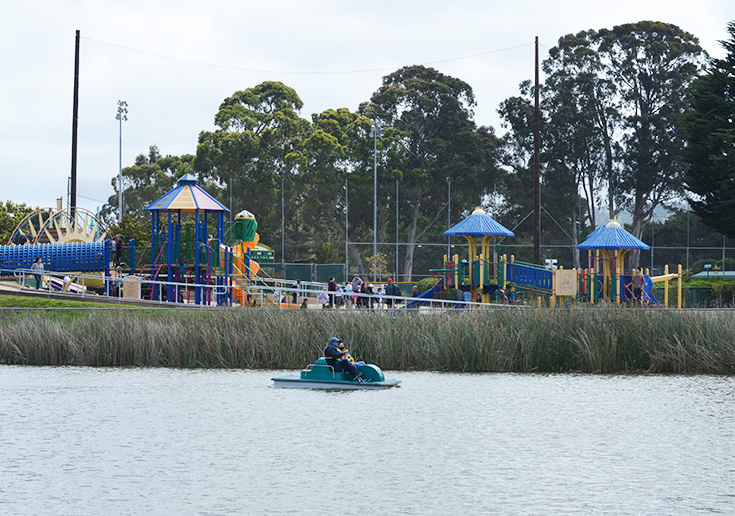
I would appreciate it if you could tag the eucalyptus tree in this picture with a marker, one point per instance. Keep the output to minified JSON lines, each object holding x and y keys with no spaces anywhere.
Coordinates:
{"x":559,"y":175}
{"x":333,"y":155}
{"x":151,"y":176}
{"x":249,"y":153}
{"x":517,"y":116}
{"x":710,"y":131}
{"x":435,"y":138}
{"x":11,"y":214}
{"x":652,"y":65}
{"x":582,"y":110}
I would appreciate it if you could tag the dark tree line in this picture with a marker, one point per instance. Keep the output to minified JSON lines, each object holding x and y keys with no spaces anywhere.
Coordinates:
{"x":618,"y":107}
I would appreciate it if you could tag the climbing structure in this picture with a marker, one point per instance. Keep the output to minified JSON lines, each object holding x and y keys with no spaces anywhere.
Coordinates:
{"x":58,"y":226}
{"x":187,"y":200}
{"x":481,"y":268}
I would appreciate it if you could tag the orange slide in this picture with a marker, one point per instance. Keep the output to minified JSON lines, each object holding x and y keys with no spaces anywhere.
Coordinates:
{"x":239,"y":266}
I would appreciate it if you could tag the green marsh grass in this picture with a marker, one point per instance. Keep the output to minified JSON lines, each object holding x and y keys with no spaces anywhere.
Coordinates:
{"x":579,"y":339}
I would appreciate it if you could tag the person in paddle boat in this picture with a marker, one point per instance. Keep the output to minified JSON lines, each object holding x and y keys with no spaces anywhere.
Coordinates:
{"x":337,"y":358}
{"x":346,"y":354}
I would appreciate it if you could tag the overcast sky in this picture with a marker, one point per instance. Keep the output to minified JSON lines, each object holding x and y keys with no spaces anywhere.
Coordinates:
{"x":175,"y":61}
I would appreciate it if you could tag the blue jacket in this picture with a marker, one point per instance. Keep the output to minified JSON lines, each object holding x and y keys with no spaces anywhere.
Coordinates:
{"x":333,"y":354}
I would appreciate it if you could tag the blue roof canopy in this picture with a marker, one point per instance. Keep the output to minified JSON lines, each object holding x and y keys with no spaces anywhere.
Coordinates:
{"x":478,"y":224}
{"x":613,"y":237}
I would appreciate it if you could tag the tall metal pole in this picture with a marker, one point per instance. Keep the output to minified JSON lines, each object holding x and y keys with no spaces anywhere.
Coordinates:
{"x":375,"y":126}
{"x":283,"y":227}
{"x":122,"y":115}
{"x":536,"y":171}
{"x":687,"y":267}
{"x":347,"y":234}
{"x":449,"y":216}
{"x":74,"y":124}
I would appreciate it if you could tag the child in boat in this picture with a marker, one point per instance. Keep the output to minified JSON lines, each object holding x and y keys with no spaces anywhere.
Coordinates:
{"x":346,"y":354}
{"x":336,"y":358}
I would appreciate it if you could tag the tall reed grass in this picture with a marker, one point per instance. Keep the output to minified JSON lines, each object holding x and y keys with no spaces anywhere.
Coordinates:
{"x":595,"y":339}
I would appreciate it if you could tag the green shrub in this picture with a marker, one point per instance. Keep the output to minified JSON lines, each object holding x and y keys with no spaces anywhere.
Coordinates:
{"x":698,"y":266}
{"x":426,"y":283}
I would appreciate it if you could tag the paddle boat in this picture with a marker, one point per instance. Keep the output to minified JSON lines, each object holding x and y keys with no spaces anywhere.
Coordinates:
{"x":321,"y":375}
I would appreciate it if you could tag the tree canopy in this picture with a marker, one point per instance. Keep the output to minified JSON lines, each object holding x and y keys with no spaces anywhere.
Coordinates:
{"x":710,"y":131}
{"x":611,"y":134}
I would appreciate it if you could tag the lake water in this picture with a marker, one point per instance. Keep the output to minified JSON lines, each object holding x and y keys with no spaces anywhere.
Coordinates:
{"x":79,"y":441}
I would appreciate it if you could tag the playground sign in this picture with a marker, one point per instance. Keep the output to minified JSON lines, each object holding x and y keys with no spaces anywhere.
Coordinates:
{"x":566,"y":282}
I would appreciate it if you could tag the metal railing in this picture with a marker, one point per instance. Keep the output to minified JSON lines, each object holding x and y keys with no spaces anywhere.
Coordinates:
{"x":270,"y":292}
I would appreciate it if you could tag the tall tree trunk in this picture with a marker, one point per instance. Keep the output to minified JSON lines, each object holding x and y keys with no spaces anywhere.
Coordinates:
{"x":575,"y":236}
{"x":411,"y":244}
{"x":639,"y":220}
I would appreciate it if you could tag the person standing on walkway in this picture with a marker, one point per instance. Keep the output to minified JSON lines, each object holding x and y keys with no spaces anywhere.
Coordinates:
{"x":332,"y":289}
{"x":391,"y":291}
{"x":297,"y":290}
{"x":638,"y":283}
{"x":37,"y":269}
{"x":118,"y":249}
{"x":356,"y":283}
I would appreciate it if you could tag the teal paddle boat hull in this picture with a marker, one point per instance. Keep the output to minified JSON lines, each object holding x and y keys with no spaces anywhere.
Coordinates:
{"x":320,"y":375}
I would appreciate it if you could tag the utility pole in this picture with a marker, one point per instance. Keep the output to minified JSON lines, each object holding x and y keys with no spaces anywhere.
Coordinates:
{"x":449,"y":217}
{"x":74,"y":123}
{"x":536,"y":171}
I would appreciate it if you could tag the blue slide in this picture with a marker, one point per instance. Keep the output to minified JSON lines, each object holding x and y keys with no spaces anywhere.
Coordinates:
{"x":426,"y":296}
{"x":648,"y":292}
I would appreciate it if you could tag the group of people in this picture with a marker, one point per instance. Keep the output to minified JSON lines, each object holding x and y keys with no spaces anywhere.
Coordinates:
{"x":360,"y":294}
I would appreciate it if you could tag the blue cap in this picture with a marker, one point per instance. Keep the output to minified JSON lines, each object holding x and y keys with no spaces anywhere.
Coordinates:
{"x":333,"y":340}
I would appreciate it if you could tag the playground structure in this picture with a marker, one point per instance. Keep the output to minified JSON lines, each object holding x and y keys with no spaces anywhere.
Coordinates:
{"x":490,"y":272}
{"x":188,"y":259}
{"x":193,"y":259}
{"x":68,"y":241}
{"x":59,"y":226}
{"x":244,"y":244}
{"x":192,"y":268}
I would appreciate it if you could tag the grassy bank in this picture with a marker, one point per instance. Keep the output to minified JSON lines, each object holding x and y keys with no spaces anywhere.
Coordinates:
{"x":605,"y":340}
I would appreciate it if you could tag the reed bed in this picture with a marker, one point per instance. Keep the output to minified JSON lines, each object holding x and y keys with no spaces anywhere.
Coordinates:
{"x":590,"y":340}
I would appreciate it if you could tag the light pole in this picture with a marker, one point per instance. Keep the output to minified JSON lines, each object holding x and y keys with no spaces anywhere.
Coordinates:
{"x":449,"y":216}
{"x":347,"y":226}
{"x":122,"y":115}
{"x":283,"y":226}
{"x":376,"y":130}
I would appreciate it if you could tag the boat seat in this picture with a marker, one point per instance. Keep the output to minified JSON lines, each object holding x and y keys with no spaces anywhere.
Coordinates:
{"x":342,"y":376}
{"x":322,"y":362}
